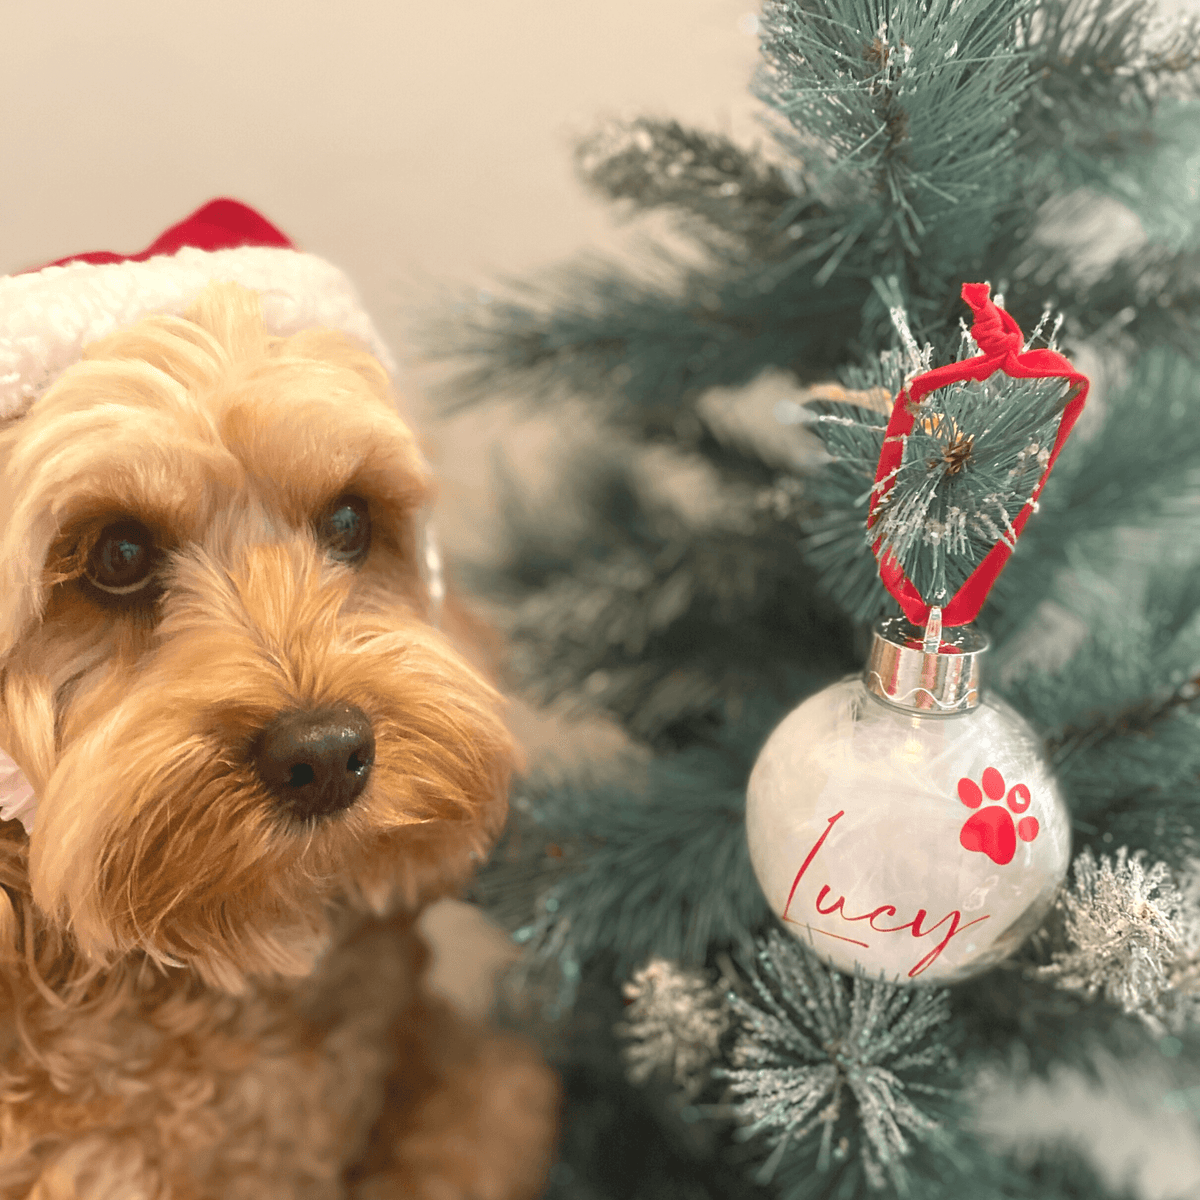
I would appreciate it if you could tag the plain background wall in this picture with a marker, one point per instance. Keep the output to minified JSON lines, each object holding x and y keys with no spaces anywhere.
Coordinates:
{"x":411,"y":142}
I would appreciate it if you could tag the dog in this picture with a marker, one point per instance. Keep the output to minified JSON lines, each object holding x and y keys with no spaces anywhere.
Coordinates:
{"x":255,"y":760}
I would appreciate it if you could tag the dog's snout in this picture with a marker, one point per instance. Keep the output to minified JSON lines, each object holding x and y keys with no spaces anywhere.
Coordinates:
{"x":316,"y":762}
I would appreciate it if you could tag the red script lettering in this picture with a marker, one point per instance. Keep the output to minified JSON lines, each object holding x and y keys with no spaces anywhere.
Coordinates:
{"x":916,"y":925}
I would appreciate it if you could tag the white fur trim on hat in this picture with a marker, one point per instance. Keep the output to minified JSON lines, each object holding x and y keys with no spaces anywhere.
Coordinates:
{"x":48,"y":316}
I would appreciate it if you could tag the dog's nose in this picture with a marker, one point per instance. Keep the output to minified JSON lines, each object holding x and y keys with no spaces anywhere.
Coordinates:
{"x":317,"y":762}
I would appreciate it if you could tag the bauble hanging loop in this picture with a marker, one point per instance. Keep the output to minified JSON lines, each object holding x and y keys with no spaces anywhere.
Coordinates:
{"x":1000,"y":340}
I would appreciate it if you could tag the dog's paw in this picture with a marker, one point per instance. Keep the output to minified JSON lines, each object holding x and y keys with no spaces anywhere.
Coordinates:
{"x":487,"y":1131}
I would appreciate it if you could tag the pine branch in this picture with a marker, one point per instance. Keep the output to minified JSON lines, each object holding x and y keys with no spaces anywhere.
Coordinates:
{"x":1140,"y":719}
{"x":622,"y":1141}
{"x":1150,"y":300}
{"x":619,"y":637}
{"x":841,"y":1079}
{"x":643,"y":349}
{"x":1146,"y":300}
{"x":902,"y":116}
{"x":1120,"y":715}
{"x":834,"y":540}
{"x":662,"y":623}
{"x":673,"y":1026}
{"x":1099,"y":68}
{"x":1138,"y":470}
{"x":972,"y":462}
{"x":1139,"y":788}
{"x":1130,"y":933}
{"x":732,"y":200}
{"x":1139,"y":465}
{"x":625,"y":869}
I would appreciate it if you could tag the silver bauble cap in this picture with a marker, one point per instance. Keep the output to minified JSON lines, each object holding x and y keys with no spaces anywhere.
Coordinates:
{"x":932,"y":671}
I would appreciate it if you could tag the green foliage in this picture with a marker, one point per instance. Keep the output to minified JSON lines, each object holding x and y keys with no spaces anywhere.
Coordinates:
{"x":902,"y":120}
{"x":729,"y":197}
{"x":1120,"y":715}
{"x":842,"y":1079}
{"x":624,"y":869}
{"x":915,"y":145}
{"x":1137,"y":469}
{"x":1099,"y":74}
{"x":971,"y":463}
{"x":834,"y":532}
{"x":657,"y":616}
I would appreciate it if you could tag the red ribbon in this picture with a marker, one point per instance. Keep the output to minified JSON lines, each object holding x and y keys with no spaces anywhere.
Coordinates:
{"x":999,"y":338}
{"x":218,"y":225}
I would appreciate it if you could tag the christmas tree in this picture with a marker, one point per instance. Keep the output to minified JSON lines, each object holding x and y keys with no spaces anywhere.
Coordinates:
{"x":913,"y":146}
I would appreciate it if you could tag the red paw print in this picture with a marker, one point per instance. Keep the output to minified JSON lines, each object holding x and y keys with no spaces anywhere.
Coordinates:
{"x":991,"y":830}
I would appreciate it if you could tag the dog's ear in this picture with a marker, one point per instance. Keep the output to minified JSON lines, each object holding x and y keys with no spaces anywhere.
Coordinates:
{"x":14,"y":890}
{"x":27,"y":730}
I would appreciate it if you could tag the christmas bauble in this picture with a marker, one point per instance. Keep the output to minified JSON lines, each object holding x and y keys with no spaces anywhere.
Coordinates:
{"x":905,"y":822}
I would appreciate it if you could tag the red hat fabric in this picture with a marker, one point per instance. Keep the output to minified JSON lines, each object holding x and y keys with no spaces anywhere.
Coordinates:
{"x":48,"y":315}
{"x":217,"y":225}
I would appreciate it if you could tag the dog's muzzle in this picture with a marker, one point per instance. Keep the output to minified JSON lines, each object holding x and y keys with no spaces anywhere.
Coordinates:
{"x":17,"y":799}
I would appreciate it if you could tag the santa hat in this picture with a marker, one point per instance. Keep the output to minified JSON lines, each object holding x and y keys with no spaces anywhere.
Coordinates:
{"x":48,"y":315}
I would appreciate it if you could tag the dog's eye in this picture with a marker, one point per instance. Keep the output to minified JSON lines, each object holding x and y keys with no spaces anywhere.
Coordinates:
{"x":344,"y":529}
{"x":123,"y":559}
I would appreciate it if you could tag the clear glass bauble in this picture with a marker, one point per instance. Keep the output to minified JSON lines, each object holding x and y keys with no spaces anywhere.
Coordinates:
{"x":921,"y":848}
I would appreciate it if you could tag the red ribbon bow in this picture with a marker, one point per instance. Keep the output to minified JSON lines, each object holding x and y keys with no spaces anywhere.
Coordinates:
{"x":1000,"y":339}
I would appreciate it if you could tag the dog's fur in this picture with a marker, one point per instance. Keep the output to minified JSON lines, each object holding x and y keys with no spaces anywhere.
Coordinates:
{"x":202,"y":998}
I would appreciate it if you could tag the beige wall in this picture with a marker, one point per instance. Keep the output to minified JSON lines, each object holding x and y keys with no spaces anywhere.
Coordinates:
{"x":412,"y":141}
